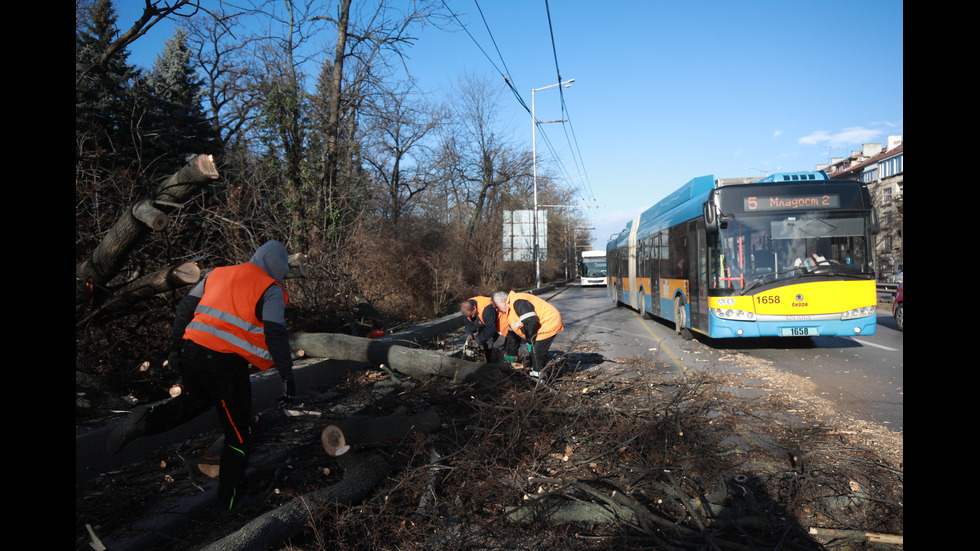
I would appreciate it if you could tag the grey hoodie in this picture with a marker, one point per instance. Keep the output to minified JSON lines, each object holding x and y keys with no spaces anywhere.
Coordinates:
{"x":272,"y":258}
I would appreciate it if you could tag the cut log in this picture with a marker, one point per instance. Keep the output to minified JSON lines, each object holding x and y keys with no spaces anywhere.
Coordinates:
{"x":298,"y":266}
{"x":364,"y":429}
{"x":333,"y":441}
{"x":155,"y":219}
{"x":111,"y":254}
{"x":417,"y":363}
{"x":268,"y":531}
{"x":161,"y":281}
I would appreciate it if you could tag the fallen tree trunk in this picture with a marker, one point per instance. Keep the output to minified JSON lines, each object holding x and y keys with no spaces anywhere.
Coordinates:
{"x":362,"y":474}
{"x":131,"y":227}
{"x":416,"y":363}
{"x":363,"y":429}
{"x":161,"y":281}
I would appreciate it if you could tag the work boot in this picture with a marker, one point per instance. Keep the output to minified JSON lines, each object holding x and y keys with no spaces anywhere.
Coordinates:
{"x":132,"y":428}
{"x":243,"y":504}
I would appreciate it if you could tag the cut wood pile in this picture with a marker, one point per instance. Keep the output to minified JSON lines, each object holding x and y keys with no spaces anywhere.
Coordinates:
{"x":584,"y":461}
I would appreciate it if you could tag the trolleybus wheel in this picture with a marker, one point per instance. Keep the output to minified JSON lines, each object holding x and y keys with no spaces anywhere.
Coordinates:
{"x":679,"y":315}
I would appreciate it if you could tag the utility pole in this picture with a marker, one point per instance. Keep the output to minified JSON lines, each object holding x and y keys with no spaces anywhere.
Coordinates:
{"x":534,"y":156}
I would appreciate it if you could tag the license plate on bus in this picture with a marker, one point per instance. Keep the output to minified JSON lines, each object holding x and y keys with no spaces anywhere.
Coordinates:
{"x":800,"y":332}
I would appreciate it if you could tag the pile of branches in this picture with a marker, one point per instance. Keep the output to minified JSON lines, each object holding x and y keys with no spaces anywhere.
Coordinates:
{"x":590,"y":464}
{"x":584,"y":461}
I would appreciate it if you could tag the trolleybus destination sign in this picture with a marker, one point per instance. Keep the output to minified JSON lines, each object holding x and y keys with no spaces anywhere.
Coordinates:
{"x":791,"y":202}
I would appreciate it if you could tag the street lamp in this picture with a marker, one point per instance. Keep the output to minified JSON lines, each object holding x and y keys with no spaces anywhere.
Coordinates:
{"x":760,"y":170}
{"x":534,"y":160}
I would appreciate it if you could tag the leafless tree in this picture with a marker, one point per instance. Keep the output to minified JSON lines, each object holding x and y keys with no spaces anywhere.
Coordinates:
{"x":372,"y":38}
{"x":396,"y":148}
{"x":477,"y":158}
{"x":230,"y":74}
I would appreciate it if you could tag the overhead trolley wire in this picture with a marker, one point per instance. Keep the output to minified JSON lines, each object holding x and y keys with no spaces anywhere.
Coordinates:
{"x":508,"y":79}
{"x":506,"y":76}
{"x":564,"y":107}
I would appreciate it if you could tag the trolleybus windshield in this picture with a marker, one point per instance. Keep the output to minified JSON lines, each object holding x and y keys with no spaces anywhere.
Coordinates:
{"x":758,"y":249}
{"x":778,"y":232}
{"x":593,"y":266}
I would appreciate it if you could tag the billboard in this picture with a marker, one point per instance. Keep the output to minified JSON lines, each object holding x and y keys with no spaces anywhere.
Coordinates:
{"x":519,"y":235}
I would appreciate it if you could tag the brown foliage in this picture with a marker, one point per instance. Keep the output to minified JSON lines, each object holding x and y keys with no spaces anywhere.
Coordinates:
{"x":410,"y":272}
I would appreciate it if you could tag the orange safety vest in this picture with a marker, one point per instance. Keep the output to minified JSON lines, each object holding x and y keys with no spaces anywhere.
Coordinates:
{"x":225,"y":320}
{"x":548,"y":316}
{"x":502,"y":327}
{"x":481,"y":305}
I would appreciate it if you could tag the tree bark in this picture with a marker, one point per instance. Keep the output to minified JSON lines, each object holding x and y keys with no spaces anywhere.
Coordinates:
{"x":114,"y":249}
{"x":417,"y":363}
{"x":362,"y":475}
{"x":336,"y":88}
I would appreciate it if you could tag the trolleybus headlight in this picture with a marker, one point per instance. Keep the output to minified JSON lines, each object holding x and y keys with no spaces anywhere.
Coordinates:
{"x":858,"y":313}
{"x":739,"y":315}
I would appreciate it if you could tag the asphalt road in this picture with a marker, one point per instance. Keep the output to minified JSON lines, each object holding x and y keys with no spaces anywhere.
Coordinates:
{"x":862,"y":377}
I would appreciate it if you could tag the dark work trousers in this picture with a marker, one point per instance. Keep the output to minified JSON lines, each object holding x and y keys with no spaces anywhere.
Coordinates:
{"x":539,"y":355}
{"x":212,"y":379}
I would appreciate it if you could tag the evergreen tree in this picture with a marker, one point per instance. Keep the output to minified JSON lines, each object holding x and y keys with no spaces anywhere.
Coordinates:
{"x":106,"y":108}
{"x":105,"y":94}
{"x":177,"y":121}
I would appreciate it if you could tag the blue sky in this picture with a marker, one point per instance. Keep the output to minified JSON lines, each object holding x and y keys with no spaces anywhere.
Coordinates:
{"x":666,"y":91}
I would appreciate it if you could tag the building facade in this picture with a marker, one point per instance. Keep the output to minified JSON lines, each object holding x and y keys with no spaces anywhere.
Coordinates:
{"x":881,"y":167}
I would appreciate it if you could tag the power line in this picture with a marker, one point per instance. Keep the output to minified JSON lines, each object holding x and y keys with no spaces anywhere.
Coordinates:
{"x":508,"y":79}
{"x":564,"y":107}
{"x":506,"y":76}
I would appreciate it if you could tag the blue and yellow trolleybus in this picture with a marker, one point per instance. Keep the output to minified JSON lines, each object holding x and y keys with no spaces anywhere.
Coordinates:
{"x":787,"y":255}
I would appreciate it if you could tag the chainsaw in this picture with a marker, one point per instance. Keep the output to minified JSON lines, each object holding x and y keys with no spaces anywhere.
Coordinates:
{"x":471,"y":349}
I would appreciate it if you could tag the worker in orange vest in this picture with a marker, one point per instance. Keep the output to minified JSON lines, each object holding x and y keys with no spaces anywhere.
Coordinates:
{"x":532,"y":319}
{"x":482,"y":322}
{"x":234,"y":317}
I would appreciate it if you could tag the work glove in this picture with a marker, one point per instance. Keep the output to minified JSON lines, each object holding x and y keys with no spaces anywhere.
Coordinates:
{"x":529,"y":351}
{"x":288,"y":390}
{"x":173,"y":361}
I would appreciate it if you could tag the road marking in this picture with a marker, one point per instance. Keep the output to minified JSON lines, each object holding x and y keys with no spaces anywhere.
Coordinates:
{"x":866,"y":343}
{"x":660,"y":343}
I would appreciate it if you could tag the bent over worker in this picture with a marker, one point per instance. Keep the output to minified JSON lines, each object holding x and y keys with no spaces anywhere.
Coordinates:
{"x":532,"y":319}
{"x":234,"y":317}
{"x":482,"y":322}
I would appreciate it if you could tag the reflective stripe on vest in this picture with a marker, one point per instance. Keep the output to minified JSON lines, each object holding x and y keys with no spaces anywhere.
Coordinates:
{"x":548,"y":316}
{"x":225,"y":320}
